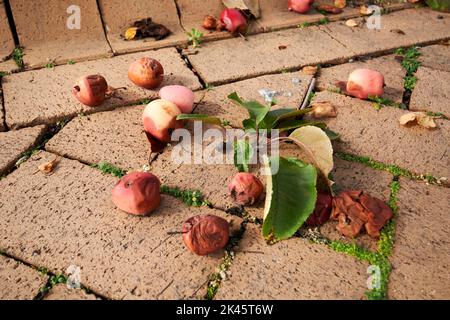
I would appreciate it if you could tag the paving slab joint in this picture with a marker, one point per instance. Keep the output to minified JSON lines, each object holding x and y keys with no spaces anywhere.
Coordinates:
{"x":190,"y":67}
{"x":100,"y":12}
{"x":177,"y":6}
{"x":215,"y":279}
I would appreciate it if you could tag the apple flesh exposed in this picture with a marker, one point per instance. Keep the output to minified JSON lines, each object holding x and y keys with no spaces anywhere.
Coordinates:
{"x":233,"y":20}
{"x":137,"y":193}
{"x":160,"y":119}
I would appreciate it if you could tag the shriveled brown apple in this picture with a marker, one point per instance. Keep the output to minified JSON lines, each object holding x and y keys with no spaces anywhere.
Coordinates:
{"x":137,"y":193}
{"x":245,"y":188}
{"x":91,"y":90}
{"x":146,"y":72}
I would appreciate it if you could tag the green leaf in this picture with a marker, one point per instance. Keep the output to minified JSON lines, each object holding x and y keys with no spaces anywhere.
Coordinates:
{"x":290,"y":196}
{"x":249,"y":124}
{"x":273,"y":117}
{"x":243,"y":153}
{"x":256,"y":110}
{"x":331,"y":134}
{"x":200,"y":117}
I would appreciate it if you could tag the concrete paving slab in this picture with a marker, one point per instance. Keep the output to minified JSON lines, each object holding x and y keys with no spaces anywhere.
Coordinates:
{"x":375,"y":133}
{"x":119,"y":15}
{"x":8,"y":66}
{"x":420,"y":261}
{"x":46,"y":97}
{"x":116,"y":137}
{"x":62,"y":292}
{"x":396,"y":30}
{"x":13,"y":144}
{"x":6,"y":39}
{"x":390,"y":67}
{"x":309,"y":46}
{"x":432,"y":91}
{"x":436,"y":57}
{"x":290,"y":91}
{"x":293,"y":269}
{"x":57,"y":31}
{"x":19,"y":282}
{"x":67,"y":218}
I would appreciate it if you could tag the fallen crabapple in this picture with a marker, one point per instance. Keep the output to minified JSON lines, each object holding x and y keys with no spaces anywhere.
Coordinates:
{"x":146,"y":72}
{"x":209,"y":23}
{"x":205,"y":234}
{"x":233,"y":20}
{"x":245,"y":188}
{"x":91,"y":90}
{"x":300,"y":6}
{"x":363,"y":83}
{"x":180,"y":95}
{"x":322,"y":210}
{"x":137,"y":193}
{"x":160,"y":119}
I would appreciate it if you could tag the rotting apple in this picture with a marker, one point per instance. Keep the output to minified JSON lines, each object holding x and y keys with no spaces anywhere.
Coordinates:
{"x":245,"y":188}
{"x":160,"y":119}
{"x":91,"y":90}
{"x":300,"y":6}
{"x":146,"y":72}
{"x":363,"y":83}
{"x":182,"y":96}
{"x":137,"y":193}
{"x":233,"y":20}
{"x":205,"y":234}
{"x":322,"y":210}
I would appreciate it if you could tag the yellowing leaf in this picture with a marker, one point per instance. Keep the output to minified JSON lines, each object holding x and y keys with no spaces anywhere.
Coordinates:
{"x":341,"y":4}
{"x":420,"y":118}
{"x":318,"y":145}
{"x":351,"y":23}
{"x":130,"y":34}
{"x":48,"y":167}
{"x":323,"y":109}
{"x":310,"y":70}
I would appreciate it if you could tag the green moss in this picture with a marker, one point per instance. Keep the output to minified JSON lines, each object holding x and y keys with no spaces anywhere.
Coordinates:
{"x":193,"y":198}
{"x":379,"y":102}
{"x":71,"y":62}
{"x":410,"y":82}
{"x":17,"y":56}
{"x":437,"y":115}
{"x":410,"y":64}
{"x":393,"y":169}
{"x":304,"y":25}
{"x":49,"y":65}
{"x":145,"y":101}
{"x":108,"y":168}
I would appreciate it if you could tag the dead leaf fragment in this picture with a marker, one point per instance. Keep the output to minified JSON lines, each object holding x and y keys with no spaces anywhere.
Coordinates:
{"x":328,"y":8}
{"x":365,"y":11}
{"x":310,"y":70}
{"x":282,"y":47}
{"x":48,"y":167}
{"x":341,"y":4}
{"x":130,"y":34}
{"x":419,"y":118}
{"x":323,"y":109}
{"x":351,"y":23}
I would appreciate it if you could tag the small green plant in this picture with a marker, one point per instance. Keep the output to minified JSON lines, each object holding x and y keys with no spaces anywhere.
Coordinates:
{"x":108,"y":168}
{"x":323,"y":21}
{"x":410,"y":63}
{"x":304,"y":25}
{"x":49,"y":65}
{"x":2,"y":74}
{"x":410,"y":82}
{"x":195,"y":37}
{"x":145,"y":101}
{"x":192,"y":198}
{"x":379,"y":102}
{"x":71,"y":62}
{"x":209,"y":86}
{"x":17,"y":56}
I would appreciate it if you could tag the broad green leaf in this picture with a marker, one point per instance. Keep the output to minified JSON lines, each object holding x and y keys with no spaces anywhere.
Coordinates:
{"x":331,"y":134}
{"x":249,"y":124}
{"x":318,"y":144}
{"x":290,"y":196}
{"x":273,"y":117}
{"x":256,"y":110}
{"x":243,"y":153}
{"x":199,"y":117}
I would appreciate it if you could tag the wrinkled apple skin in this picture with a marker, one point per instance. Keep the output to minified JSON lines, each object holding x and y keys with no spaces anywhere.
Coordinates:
{"x":363,"y":83}
{"x":180,"y":95}
{"x":233,"y":20}
{"x":137,"y":193}
{"x":245,"y":188}
{"x":160,"y":119}
{"x":146,"y":72}
{"x":205,"y":234}
{"x":322,"y":210}
{"x":90,"y":90}
{"x":300,"y":6}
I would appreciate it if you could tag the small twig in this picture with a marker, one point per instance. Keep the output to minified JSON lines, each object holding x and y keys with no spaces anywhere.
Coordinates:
{"x":310,"y":89}
{"x":175,"y":232}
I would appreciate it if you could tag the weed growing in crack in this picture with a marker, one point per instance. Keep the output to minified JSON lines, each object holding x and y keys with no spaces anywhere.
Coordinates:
{"x":17,"y":56}
{"x":192,"y":198}
{"x":379,"y":102}
{"x":71,"y":62}
{"x":108,"y":168}
{"x":195,"y":37}
{"x":410,"y":64}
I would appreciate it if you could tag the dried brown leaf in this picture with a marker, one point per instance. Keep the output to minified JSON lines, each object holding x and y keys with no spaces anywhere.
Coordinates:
{"x":48,"y":167}
{"x":323,"y":109}
{"x":310,"y":70}
{"x":419,"y":118}
{"x":328,"y":8}
{"x":351,"y":23}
